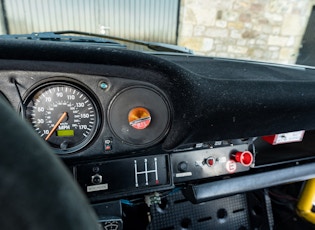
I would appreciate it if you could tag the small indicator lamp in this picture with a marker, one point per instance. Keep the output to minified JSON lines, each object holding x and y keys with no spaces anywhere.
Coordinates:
{"x":103,"y":85}
{"x":210,"y":161}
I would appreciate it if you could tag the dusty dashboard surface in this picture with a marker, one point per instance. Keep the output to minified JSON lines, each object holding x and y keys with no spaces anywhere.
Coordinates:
{"x":128,"y":123}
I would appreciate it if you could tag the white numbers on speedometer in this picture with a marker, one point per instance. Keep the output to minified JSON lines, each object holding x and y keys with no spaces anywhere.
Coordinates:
{"x":64,"y":115}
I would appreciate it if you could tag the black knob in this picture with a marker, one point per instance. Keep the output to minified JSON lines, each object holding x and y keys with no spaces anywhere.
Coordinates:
{"x":182,"y":166}
{"x":96,"y":179}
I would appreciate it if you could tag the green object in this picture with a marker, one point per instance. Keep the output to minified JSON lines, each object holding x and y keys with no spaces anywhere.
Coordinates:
{"x":65,"y":133}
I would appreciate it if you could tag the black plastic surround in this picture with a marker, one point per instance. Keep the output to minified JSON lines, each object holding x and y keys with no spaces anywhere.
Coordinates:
{"x":205,"y":99}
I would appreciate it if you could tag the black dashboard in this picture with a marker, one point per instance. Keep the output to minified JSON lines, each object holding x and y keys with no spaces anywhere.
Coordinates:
{"x":128,"y":123}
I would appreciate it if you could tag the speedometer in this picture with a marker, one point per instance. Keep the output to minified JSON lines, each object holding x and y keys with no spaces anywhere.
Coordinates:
{"x":64,"y":115}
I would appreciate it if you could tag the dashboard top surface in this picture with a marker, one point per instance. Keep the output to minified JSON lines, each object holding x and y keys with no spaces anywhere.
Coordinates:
{"x":205,"y":99}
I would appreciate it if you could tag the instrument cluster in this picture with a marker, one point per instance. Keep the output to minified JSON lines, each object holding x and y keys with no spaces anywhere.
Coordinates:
{"x":77,"y":114}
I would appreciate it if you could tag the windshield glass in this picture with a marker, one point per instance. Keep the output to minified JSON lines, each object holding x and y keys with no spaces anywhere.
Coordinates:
{"x":273,"y":31}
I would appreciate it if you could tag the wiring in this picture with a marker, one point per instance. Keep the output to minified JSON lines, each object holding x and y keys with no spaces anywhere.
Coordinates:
{"x":139,"y":201}
{"x":23,"y":109}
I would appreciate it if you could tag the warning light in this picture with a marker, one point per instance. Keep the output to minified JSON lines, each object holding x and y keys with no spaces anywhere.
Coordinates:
{"x":139,"y":118}
{"x":210,"y":161}
{"x":245,"y":158}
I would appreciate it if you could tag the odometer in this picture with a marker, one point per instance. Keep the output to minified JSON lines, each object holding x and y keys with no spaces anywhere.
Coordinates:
{"x":64,"y":115}
{"x":65,"y":133}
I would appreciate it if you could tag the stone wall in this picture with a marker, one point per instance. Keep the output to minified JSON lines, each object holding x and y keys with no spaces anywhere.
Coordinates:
{"x":265,"y":30}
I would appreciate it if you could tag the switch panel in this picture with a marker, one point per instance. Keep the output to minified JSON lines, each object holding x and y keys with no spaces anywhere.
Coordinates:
{"x":132,"y":175}
{"x":206,"y":163}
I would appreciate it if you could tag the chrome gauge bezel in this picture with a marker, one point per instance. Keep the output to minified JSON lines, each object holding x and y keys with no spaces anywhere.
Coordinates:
{"x":42,"y":86}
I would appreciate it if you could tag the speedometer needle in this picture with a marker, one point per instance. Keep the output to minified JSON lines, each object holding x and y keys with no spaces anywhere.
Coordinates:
{"x":56,"y":125}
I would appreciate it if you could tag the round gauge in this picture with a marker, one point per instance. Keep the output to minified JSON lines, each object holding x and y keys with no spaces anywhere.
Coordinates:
{"x":139,"y":116}
{"x":63,"y":115}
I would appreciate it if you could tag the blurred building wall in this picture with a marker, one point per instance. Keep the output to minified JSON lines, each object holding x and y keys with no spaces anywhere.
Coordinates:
{"x":151,"y":20}
{"x":269,"y":30}
{"x":266,"y":30}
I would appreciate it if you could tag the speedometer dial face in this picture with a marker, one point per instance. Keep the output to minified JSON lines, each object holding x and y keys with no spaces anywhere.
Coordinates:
{"x":64,"y":116}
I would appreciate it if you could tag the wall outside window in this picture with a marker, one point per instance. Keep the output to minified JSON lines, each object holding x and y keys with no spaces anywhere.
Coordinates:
{"x":269,"y":30}
{"x":265,"y":30}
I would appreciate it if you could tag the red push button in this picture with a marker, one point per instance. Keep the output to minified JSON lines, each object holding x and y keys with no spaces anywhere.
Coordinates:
{"x":245,"y":158}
